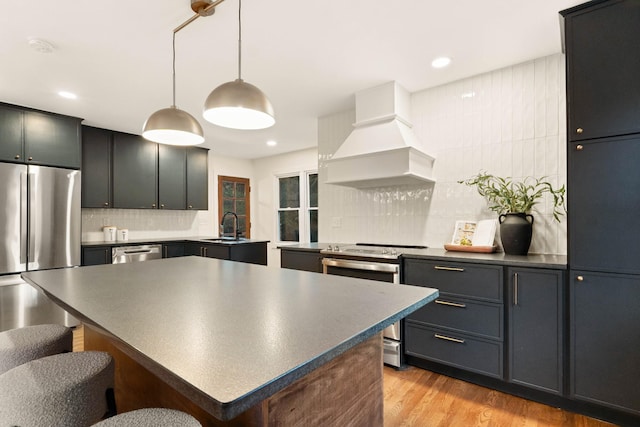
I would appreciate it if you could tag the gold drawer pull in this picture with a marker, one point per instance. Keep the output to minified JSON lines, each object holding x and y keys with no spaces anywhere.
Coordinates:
{"x":439,"y":267}
{"x":446,"y":338}
{"x":451,"y":304}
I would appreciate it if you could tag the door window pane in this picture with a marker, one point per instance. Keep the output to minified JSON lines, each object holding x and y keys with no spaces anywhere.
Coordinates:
{"x":240,"y":190}
{"x":240,"y":207}
{"x":228,"y":189}
{"x":290,"y":192}
{"x":228,"y":205}
{"x":288,"y":222}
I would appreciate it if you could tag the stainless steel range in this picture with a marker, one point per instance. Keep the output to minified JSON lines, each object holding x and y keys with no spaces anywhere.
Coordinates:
{"x":375,"y":262}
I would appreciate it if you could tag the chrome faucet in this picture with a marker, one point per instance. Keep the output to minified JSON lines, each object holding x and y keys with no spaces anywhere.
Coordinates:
{"x":236,"y":229}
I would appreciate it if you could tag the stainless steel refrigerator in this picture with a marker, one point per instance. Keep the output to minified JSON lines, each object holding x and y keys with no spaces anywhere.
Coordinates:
{"x":40,"y":228}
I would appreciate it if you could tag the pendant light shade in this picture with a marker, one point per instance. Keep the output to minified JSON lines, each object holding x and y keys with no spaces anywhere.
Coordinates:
{"x":239,"y":105}
{"x":173,"y":126}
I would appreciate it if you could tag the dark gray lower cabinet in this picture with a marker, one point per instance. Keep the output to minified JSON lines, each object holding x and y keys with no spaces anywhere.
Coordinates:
{"x":173,"y":250}
{"x":301,"y":260}
{"x":605,"y":339}
{"x":96,"y":255}
{"x":254,"y":253}
{"x":535,"y":319}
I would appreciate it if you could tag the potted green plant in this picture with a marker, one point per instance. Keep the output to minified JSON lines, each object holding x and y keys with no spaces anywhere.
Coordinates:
{"x":513,"y":201}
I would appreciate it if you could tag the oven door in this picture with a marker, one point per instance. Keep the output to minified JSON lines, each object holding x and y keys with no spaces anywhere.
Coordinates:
{"x":384,"y":272}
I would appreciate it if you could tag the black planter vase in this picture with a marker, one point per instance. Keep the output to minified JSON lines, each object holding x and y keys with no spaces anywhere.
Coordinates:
{"x":515,"y":232}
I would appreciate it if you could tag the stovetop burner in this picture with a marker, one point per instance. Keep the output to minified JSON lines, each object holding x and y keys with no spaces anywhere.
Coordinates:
{"x":370,"y":250}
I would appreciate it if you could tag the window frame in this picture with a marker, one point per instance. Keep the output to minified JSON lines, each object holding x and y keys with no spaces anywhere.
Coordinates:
{"x":304,"y":222}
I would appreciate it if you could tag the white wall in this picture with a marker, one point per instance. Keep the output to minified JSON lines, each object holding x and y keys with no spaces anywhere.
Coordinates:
{"x":513,"y":124}
{"x":265,"y":190}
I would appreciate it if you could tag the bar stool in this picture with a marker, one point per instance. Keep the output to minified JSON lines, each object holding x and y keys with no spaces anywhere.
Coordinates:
{"x":150,"y":417}
{"x":22,"y":345}
{"x":70,"y":389}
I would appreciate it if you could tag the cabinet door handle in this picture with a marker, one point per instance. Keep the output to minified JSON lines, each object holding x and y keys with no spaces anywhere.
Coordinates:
{"x":439,"y":267}
{"x":515,"y":288}
{"x":580,"y":278}
{"x":17,"y":156}
{"x":162,"y":206}
{"x":205,"y":251}
{"x":30,"y":158}
{"x":190,"y":206}
{"x":579,"y":130}
{"x":579,"y":147}
{"x":451,"y":304}
{"x":446,"y":338}
{"x":106,"y":203}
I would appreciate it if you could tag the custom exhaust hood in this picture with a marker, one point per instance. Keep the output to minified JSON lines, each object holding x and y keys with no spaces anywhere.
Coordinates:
{"x":382,"y":149}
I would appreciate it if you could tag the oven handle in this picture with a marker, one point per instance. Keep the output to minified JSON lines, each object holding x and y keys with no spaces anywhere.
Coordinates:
{"x":360,"y":265}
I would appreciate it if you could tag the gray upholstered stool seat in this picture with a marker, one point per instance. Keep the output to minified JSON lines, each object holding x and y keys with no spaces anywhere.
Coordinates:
{"x":70,"y":389}
{"x":22,"y":345}
{"x":151,"y":417}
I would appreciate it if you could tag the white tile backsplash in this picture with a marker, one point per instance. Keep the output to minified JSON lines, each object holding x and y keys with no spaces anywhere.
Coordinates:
{"x":509,"y":122}
{"x":145,"y":223}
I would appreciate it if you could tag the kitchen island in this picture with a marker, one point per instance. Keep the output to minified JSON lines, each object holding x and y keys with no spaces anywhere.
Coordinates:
{"x":235,"y":343}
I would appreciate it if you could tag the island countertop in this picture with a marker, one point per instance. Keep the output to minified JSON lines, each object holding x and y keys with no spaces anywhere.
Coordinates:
{"x":228,"y":334}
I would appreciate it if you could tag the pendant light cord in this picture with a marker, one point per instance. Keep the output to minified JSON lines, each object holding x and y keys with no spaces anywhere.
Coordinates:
{"x":173,"y":75}
{"x":239,"y":40}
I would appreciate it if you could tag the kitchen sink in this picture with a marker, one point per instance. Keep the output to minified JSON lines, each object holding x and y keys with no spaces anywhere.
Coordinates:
{"x":226,"y":239}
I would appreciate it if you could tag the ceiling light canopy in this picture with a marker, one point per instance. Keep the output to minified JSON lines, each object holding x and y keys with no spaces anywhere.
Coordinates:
{"x":238,"y":104}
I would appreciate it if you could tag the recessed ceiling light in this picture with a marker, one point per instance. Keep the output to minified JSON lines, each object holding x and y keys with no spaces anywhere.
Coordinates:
{"x":441,"y":62}
{"x":68,"y":95}
{"x":272,"y":143}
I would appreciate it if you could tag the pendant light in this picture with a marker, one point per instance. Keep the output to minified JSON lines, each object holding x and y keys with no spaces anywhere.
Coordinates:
{"x":172,"y":125}
{"x":238,"y":104}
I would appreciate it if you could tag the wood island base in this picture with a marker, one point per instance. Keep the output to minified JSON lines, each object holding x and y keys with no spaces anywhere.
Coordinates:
{"x":346,"y":391}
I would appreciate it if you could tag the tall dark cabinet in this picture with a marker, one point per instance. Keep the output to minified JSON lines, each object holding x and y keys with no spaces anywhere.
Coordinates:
{"x":96,"y":167}
{"x":172,"y":176}
{"x":603,"y":115}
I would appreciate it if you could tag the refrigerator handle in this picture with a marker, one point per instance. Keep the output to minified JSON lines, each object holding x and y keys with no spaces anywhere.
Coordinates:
{"x":31,"y":181}
{"x":23,"y":218}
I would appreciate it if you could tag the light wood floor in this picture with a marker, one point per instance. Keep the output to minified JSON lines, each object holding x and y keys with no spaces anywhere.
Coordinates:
{"x":420,"y":398}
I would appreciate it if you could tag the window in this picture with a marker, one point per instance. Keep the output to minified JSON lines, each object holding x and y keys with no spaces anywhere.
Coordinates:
{"x":233,"y":196}
{"x":298,"y":207}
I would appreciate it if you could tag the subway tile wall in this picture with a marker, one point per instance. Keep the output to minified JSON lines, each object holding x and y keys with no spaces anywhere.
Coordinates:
{"x":508,"y":122}
{"x":145,"y":223}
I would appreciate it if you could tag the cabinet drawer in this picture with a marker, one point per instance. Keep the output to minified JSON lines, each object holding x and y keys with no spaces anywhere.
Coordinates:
{"x":460,"y":315}
{"x":459,"y":350}
{"x":457,"y":278}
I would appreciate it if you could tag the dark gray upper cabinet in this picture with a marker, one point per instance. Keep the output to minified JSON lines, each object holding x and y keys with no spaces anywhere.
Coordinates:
{"x":605,"y":342}
{"x":197,"y":178}
{"x":603,"y":65}
{"x":51,"y":139}
{"x":39,"y":138}
{"x":172,"y":180}
{"x":11,"y":120}
{"x":603,"y":199}
{"x":96,"y":167}
{"x":535,"y":310}
{"x":135,"y":172}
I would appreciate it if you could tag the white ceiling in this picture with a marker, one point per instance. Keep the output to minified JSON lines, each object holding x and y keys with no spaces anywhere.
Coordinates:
{"x":309,"y":57}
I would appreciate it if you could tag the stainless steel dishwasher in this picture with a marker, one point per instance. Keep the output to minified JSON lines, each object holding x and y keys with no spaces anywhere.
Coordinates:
{"x":127,"y":254}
